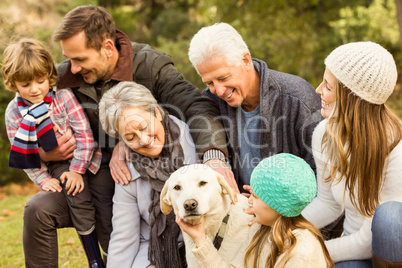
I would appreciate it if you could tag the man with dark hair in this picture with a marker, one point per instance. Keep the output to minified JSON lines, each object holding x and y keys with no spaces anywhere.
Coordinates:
{"x":99,"y":57}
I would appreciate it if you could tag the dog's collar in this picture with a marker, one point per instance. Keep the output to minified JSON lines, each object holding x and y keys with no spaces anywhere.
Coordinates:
{"x":221,"y":232}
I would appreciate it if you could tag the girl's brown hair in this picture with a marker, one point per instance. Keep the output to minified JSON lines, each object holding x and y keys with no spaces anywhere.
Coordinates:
{"x":282,"y":241}
{"x":25,"y":60}
{"x":358,"y":139}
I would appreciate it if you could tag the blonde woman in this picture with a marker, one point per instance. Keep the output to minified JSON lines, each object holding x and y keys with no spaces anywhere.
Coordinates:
{"x":358,"y":153}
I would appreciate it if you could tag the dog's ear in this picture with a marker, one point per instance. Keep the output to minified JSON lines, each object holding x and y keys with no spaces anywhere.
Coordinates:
{"x":166,"y":203}
{"x":226,"y":188}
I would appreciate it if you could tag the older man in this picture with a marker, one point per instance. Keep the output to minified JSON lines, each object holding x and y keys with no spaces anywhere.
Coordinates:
{"x":265,"y":112}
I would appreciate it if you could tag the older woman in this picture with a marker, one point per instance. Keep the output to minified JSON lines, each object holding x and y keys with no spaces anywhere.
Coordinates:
{"x":158,"y":145}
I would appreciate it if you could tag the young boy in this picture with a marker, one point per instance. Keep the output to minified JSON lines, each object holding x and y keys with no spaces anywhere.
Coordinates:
{"x":32,"y":118}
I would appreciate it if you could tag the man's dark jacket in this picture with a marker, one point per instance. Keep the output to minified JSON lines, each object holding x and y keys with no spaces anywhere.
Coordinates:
{"x":155,"y":70}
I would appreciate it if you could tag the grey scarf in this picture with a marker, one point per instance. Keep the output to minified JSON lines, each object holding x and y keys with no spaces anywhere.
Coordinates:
{"x":163,"y":247}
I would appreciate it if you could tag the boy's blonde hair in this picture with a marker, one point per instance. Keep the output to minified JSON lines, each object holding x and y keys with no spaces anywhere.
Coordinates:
{"x":25,"y":60}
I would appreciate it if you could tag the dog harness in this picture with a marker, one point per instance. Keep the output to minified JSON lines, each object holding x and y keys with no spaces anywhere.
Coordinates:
{"x":221,"y":232}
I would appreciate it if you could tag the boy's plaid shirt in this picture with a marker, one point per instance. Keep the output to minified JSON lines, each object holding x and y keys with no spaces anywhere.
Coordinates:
{"x":65,"y":112}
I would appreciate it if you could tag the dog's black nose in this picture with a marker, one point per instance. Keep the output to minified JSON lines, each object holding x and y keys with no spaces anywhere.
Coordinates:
{"x":190,"y":204}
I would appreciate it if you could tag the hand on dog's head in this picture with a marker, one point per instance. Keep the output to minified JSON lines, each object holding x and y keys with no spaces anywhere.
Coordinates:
{"x":186,"y":184}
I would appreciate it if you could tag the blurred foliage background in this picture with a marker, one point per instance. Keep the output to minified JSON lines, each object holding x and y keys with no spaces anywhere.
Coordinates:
{"x":292,"y":36}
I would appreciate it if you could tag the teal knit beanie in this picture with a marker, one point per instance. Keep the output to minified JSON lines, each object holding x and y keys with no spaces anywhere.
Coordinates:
{"x":284,"y":182}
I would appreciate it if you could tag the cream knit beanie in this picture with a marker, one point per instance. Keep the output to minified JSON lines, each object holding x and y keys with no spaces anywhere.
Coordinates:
{"x":366,"y":68}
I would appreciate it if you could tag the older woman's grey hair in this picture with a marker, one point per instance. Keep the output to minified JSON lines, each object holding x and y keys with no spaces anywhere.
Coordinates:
{"x":220,"y":39}
{"x":122,"y":95}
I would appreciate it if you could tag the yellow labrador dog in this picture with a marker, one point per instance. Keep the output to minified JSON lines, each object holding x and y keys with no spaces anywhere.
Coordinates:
{"x":197,"y":191}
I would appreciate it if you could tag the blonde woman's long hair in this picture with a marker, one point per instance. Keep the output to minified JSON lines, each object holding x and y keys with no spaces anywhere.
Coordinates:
{"x":282,"y":242}
{"x":358,"y":139}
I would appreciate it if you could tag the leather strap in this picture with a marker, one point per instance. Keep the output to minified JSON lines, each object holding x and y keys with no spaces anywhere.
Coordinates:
{"x":221,"y":233}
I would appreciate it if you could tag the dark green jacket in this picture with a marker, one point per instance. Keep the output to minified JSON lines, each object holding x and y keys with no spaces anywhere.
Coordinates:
{"x":155,"y":70}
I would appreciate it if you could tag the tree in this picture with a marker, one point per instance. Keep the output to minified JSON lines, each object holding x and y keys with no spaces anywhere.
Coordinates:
{"x":292,"y":36}
{"x":398,"y":4}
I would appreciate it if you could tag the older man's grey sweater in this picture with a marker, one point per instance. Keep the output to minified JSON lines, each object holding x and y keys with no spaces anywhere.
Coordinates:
{"x":289,"y":112}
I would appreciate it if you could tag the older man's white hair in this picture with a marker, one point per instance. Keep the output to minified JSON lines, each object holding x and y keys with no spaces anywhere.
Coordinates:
{"x":220,"y":39}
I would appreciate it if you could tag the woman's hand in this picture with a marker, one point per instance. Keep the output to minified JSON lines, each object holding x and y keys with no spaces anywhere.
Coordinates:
{"x":196,"y":232}
{"x":74,"y":184}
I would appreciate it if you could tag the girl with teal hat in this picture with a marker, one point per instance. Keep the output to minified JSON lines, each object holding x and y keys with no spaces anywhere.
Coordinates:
{"x":281,"y":187}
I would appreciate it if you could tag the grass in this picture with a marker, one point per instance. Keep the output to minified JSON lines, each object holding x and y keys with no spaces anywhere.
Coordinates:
{"x":71,"y":253}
